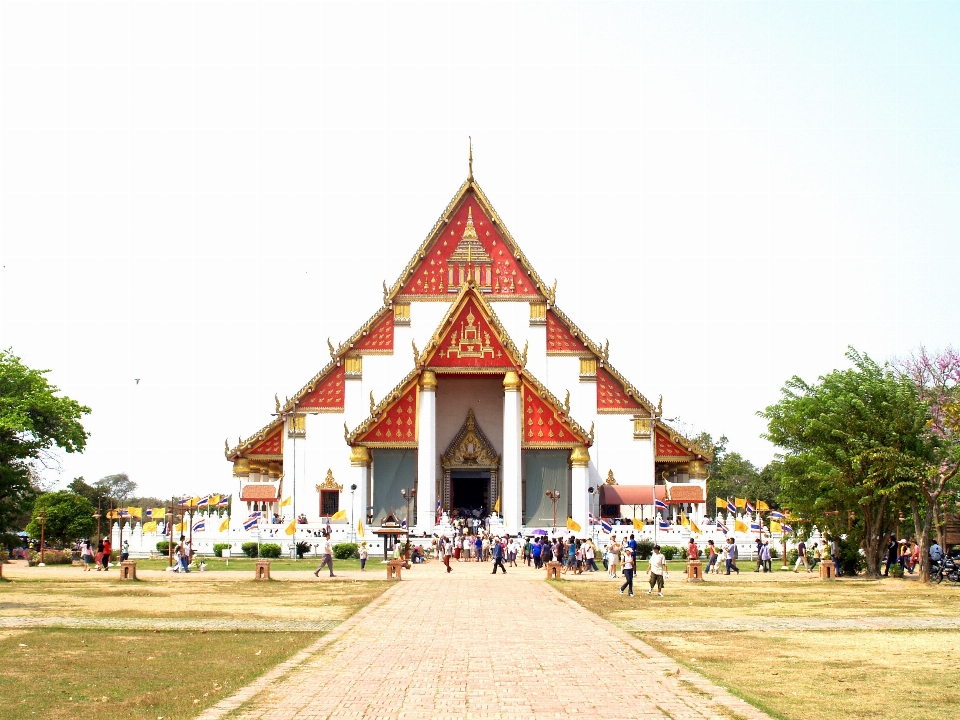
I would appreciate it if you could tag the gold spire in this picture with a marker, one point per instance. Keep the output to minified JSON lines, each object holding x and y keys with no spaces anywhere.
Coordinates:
{"x":470,"y":174}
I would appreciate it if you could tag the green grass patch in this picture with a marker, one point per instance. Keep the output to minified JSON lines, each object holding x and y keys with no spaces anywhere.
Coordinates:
{"x":104,"y":675}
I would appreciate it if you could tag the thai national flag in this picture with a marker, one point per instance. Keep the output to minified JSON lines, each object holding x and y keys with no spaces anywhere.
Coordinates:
{"x":224,"y":501}
{"x":749,"y":508}
{"x":722,"y":528}
{"x":250,"y":523}
{"x":592,"y":518}
{"x":149,"y":512}
{"x":777,"y":515}
{"x":605,"y":526}
{"x":199,"y":526}
{"x":403,"y":523}
{"x":755,"y":527}
{"x":787,"y":528}
{"x":664,"y":525}
{"x":731,"y":508}
{"x":439,"y":511}
{"x":204,"y":501}
{"x":183,"y":501}
{"x":660,"y":505}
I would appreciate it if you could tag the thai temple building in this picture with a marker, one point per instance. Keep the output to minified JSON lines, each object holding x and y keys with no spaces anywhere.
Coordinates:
{"x":470,"y":385}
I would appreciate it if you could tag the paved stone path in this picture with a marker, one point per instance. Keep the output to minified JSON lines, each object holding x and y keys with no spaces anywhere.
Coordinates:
{"x":740,"y":624}
{"x":469,"y":645}
{"x":213,"y":625}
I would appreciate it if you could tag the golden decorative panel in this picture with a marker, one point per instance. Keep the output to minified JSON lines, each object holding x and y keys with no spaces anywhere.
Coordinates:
{"x":297,"y":426}
{"x":538,"y":313}
{"x":588,"y":368}
{"x":641,"y":427}
{"x":353,"y":366}
{"x":401,"y":313}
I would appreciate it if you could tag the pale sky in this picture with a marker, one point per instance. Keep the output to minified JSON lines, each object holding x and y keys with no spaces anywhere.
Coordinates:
{"x":198,"y":194}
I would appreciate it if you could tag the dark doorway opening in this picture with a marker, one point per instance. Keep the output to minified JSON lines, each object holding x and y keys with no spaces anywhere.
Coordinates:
{"x":470,"y":489}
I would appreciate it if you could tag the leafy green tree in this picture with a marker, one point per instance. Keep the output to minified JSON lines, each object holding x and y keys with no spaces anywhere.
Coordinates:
{"x":69,"y":517}
{"x":854,"y":446}
{"x":732,"y":475}
{"x":34,"y":422}
{"x":118,"y":488}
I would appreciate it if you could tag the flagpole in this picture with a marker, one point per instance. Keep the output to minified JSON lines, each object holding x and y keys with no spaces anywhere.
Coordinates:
{"x":294,"y":503}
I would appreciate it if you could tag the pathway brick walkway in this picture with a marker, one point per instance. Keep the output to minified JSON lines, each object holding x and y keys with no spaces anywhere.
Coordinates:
{"x":470,"y":645}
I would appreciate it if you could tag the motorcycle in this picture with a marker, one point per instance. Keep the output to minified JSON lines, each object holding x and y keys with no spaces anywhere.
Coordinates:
{"x":947,"y":567}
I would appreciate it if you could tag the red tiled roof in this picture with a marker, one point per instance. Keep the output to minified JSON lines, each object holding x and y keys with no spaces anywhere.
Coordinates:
{"x":686,"y":494}
{"x":260,"y":493}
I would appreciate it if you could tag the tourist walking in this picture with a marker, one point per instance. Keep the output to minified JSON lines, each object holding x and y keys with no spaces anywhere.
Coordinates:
{"x":766,"y":557}
{"x":98,"y":560}
{"x":364,"y":555}
{"x":537,"y":552}
{"x":658,"y":566}
{"x":497,"y":550}
{"x":613,"y":554}
{"x":914,"y":556}
{"x":446,"y":548}
{"x":892,"y":547}
{"x":835,"y":555}
{"x":125,"y":551}
{"x":327,"y":560}
{"x":815,"y":553}
{"x":801,"y":557}
{"x":712,"y":556}
{"x":759,"y":555}
{"x":527,"y":551}
{"x":590,"y":556}
{"x":86,"y":554}
{"x":628,"y":560}
{"x":107,"y":549}
{"x":731,"y":556}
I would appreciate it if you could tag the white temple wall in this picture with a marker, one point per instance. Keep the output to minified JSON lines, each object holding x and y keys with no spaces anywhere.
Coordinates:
{"x":562,"y":373}
{"x":616,"y":449}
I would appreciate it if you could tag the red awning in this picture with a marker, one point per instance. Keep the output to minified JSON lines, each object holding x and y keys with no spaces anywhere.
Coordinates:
{"x":258,"y":493}
{"x":631,"y":494}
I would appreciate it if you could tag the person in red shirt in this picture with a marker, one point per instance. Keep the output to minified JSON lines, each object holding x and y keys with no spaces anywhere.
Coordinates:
{"x":106,"y":553}
{"x":693,"y":552}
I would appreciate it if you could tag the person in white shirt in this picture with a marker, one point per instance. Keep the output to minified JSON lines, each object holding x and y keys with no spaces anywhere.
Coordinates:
{"x":658,"y":566}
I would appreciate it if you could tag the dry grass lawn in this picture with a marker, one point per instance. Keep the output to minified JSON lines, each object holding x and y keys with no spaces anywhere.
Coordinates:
{"x":805,"y":675}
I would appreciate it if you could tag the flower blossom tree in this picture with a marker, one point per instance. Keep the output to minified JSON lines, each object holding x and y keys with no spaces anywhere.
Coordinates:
{"x":937,"y":379}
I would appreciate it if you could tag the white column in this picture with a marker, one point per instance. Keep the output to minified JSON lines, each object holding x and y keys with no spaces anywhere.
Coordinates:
{"x":427,"y":454}
{"x":580,"y":460}
{"x":512,"y":499}
{"x":294,"y":467}
{"x":359,"y":476}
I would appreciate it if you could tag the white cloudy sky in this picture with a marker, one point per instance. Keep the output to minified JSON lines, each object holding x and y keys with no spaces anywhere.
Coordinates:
{"x":198,"y":194}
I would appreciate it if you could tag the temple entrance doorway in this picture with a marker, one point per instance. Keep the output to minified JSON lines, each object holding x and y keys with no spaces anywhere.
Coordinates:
{"x":470,"y":490}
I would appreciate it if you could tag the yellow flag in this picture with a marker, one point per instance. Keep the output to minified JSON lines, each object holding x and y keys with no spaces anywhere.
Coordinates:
{"x":178,"y":527}
{"x":496,"y":506}
{"x":194,"y":501}
{"x":741,"y":503}
{"x":159,"y":513}
{"x":149,"y":527}
{"x":683,"y":520}
{"x":693,"y":528}
{"x":135,"y":512}
{"x":637,"y":524}
{"x":287,"y":501}
{"x":291,"y":528}
{"x":225,"y":525}
{"x":339,"y":515}
{"x":360,"y":528}
{"x":214,"y":499}
{"x":761,"y":505}
{"x":740,"y":526}
{"x":721,"y":504}
{"x":775,"y":527}
{"x":572,"y":525}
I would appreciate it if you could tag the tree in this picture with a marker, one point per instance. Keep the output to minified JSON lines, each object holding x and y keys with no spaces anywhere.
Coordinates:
{"x":117,"y":488}
{"x":732,"y":475}
{"x":853,"y":446}
{"x":937,"y":380}
{"x":34,"y":421}
{"x":69,"y":517}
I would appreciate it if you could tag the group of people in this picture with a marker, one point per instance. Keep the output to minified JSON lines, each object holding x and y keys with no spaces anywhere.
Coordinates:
{"x":906,"y":554}
{"x":99,"y":557}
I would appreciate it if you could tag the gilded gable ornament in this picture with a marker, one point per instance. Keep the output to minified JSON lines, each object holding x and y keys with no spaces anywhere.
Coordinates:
{"x":329,"y":483}
{"x":470,"y":448}
{"x":611,"y":480}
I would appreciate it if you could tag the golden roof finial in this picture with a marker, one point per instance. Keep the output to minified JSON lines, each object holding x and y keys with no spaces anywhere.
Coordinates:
{"x":470,"y":161}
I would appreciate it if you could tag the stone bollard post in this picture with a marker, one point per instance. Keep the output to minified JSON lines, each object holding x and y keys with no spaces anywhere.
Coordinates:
{"x":262,"y":570}
{"x":393,"y":569}
{"x":694,"y":571}
{"x":128,"y":570}
{"x":553,"y":570}
{"x":826,"y":570}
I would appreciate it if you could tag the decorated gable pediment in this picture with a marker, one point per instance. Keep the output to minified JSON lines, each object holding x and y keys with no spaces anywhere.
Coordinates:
{"x":560,"y":340}
{"x":469,"y":246}
{"x":379,"y":339}
{"x":669,"y":448}
{"x":612,"y":397}
{"x":269,"y":446}
{"x":327,"y":395}
{"x":395,"y":424}
{"x":544,"y":423}
{"x":471,"y":338}
{"x":470,"y":448}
